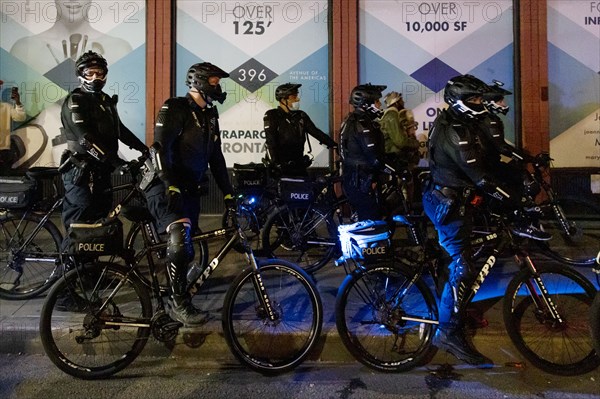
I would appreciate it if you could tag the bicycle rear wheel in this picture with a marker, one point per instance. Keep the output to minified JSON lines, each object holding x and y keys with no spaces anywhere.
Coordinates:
{"x":306,"y":237}
{"x":272,"y":345}
{"x":88,"y":340}
{"x":559,"y":344}
{"x":386,"y":321}
{"x":595,"y":322}
{"x":27,"y":270}
{"x":576,"y":238}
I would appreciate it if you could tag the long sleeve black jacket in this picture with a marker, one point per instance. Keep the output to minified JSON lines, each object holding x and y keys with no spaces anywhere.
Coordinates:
{"x":286,"y":134}
{"x":190,"y":142}
{"x":94,"y":117}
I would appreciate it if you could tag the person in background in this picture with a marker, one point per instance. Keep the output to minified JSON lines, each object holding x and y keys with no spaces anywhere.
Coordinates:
{"x":9,"y":112}
{"x":514,"y":172}
{"x":187,"y":142}
{"x":287,"y":129}
{"x":399,"y":131}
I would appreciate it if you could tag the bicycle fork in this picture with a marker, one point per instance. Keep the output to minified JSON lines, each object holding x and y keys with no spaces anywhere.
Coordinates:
{"x":266,"y":307}
{"x":537,"y":290}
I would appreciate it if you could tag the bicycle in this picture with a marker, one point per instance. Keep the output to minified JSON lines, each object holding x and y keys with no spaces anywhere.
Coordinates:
{"x":30,"y":242}
{"x":386,"y":313}
{"x":256,"y":189}
{"x":302,"y":226}
{"x":574,"y":222}
{"x":272,"y":314}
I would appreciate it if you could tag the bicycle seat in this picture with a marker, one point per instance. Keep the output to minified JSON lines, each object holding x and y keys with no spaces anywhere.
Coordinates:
{"x":136,"y":213}
{"x":40,"y":172}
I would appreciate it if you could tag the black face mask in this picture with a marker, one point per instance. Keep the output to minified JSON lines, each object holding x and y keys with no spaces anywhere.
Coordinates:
{"x":94,"y":86}
{"x":372,"y":111}
{"x":214,"y":93}
{"x":476,"y":107}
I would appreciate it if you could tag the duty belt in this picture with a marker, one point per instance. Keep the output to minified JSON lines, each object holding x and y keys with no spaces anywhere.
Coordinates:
{"x":464,"y":192}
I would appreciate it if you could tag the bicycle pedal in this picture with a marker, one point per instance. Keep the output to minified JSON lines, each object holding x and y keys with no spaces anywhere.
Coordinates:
{"x":172,"y":325}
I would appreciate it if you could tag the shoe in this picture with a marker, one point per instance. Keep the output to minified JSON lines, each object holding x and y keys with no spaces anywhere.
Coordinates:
{"x":186,"y":313}
{"x":530,"y":231}
{"x":453,"y":341}
{"x":70,"y":302}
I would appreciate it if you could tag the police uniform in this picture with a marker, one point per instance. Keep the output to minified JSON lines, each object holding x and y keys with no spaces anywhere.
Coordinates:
{"x":93,"y":129}
{"x":190,"y":142}
{"x":286,"y":135}
{"x":363,"y":152}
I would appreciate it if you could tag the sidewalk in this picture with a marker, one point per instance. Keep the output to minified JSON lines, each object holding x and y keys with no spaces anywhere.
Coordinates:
{"x":19,"y":320}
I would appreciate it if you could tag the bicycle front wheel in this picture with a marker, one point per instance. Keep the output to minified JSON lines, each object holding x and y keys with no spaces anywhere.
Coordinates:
{"x":547,"y":319}
{"x":28,"y":255}
{"x":272,"y":339}
{"x":385,"y":320}
{"x":307,"y":237}
{"x":95,"y":321}
{"x":575,"y":233}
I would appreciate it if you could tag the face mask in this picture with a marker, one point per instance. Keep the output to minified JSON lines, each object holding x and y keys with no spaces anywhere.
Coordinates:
{"x":373,"y":111}
{"x":295,"y":106}
{"x":93,"y":86}
{"x":213,"y":93}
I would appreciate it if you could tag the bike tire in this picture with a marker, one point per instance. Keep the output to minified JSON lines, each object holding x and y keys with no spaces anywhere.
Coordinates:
{"x":580,"y":245}
{"x":34,"y":276}
{"x":78,"y":341}
{"x":135,"y":242}
{"x":595,"y":323}
{"x":272,"y":347}
{"x":307,"y":238}
{"x":556,"y":347}
{"x":371,"y":327}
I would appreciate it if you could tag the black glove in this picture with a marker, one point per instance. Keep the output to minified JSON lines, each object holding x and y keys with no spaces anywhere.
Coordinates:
{"x":174,"y":199}
{"x":230,"y":203}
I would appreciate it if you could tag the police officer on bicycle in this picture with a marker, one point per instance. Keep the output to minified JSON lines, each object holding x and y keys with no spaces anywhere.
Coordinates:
{"x":458,"y":167}
{"x":93,"y":129}
{"x":363,"y":150}
{"x":188,"y":141}
{"x":286,"y":130}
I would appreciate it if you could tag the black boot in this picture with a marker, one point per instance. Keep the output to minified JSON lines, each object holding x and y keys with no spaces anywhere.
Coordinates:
{"x":180,"y":304}
{"x":182,"y":310}
{"x":451,"y":337}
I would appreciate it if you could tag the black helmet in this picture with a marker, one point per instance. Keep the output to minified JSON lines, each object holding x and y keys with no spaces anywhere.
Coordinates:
{"x":461,"y":88}
{"x":364,"y":95}
{"x":90,"y":60}
{"x":283,"y":91}
{"x":197,"y":78}
{"x":495,"y":94}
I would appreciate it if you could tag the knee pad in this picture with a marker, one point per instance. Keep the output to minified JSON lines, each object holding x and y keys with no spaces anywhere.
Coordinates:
{"x":180,"y":250}
{"x":461,"y":269}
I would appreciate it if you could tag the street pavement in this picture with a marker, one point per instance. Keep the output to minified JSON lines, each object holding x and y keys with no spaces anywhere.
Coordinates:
{"x":19,"y":320}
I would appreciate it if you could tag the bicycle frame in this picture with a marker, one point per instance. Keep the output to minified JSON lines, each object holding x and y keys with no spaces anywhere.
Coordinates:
{"x":153,"y":245}
{"x":502,"y":241}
